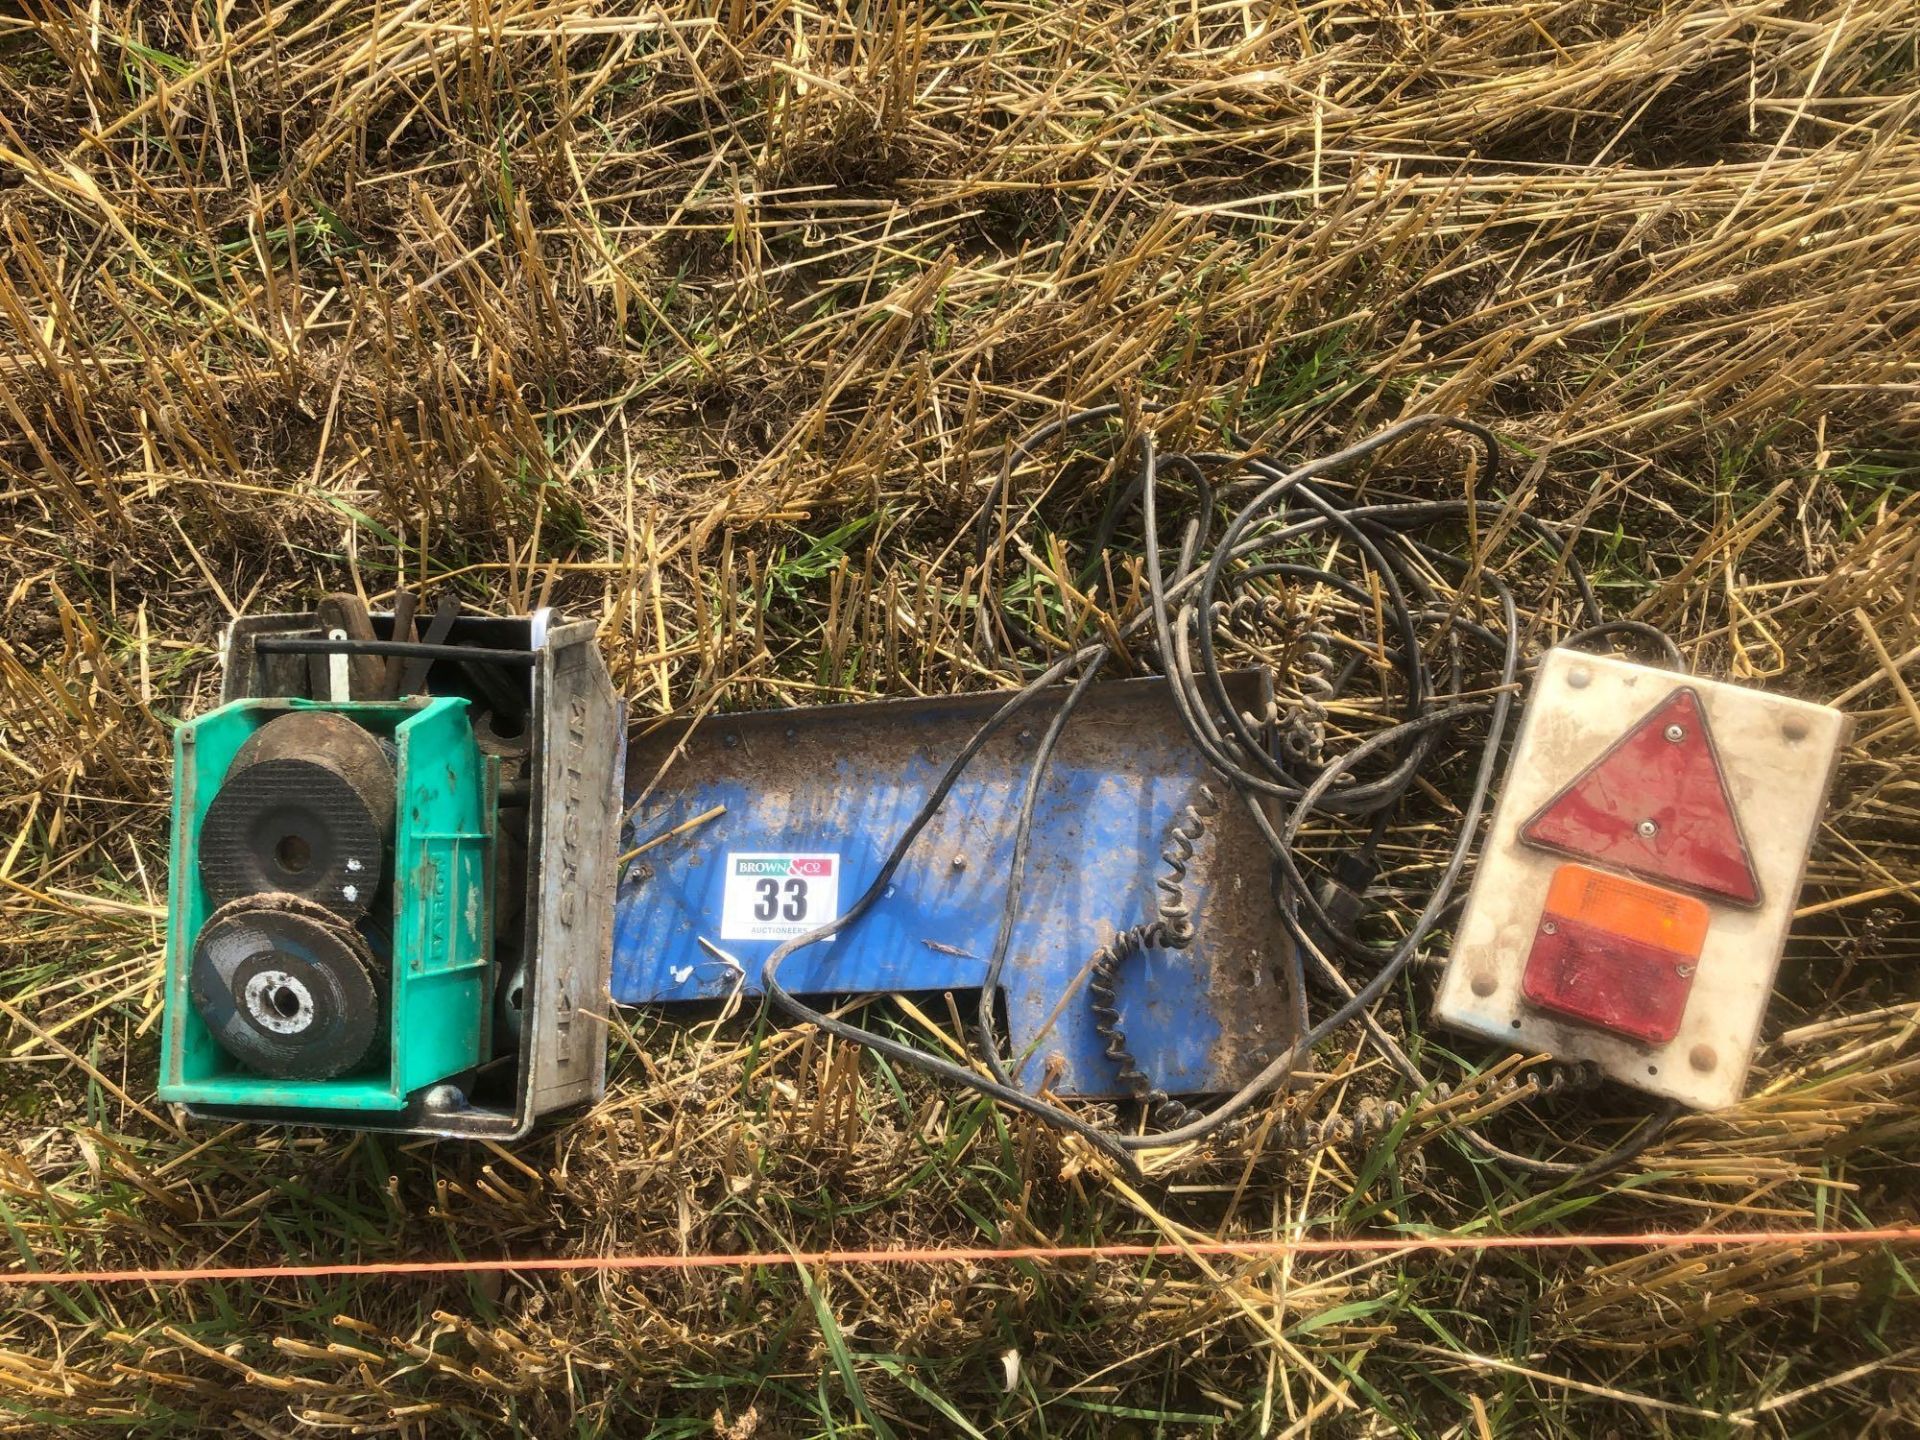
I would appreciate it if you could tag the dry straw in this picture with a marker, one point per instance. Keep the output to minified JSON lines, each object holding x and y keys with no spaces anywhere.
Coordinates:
{"x":710,"y":321}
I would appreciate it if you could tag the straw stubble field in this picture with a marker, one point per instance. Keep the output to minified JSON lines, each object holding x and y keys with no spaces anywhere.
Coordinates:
{"x":713,"y":322}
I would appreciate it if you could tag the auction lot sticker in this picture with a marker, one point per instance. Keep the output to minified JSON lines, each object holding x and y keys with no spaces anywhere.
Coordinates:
{"x":775,"y":897}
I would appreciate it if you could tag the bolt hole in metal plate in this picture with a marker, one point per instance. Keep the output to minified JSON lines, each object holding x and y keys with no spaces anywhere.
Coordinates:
{"x":1737,"y":856}
{"x":815,"y":797}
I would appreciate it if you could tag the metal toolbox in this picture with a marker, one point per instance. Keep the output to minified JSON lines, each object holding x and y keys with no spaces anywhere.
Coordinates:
{"x":527,"y":986}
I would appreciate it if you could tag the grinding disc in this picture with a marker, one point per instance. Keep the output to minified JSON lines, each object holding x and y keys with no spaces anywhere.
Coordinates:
{"x":325,"y":734}
{"x":285,"y":992}
{"x":306,"y":809}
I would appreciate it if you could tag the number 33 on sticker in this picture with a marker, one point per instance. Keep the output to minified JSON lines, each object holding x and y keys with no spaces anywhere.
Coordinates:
{"x":775,"y":897}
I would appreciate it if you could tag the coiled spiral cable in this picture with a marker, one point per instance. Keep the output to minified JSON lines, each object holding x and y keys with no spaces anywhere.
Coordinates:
{"x":1170,"y":929}
{"x":1438,"y":690}
{"x":1373,"y":1116}
{"x":1175,"y":916}
{"x":1305,"y":735}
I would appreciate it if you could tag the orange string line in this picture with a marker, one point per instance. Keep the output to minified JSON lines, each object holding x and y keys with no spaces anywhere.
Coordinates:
{"x":948,"y":1255}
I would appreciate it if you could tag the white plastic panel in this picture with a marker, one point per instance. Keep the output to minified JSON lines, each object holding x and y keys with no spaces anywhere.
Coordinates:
{"x":1776,"y":756}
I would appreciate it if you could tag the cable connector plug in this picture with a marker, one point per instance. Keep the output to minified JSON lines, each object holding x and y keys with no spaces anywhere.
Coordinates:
{"x":1343,"y":893}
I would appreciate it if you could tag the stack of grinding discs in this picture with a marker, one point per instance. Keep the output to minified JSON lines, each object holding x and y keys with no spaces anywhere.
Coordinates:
{"x":292,"y":853}
{"x":287,"y":987}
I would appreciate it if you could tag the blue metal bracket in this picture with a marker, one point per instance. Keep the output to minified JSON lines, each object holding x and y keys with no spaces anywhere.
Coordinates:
{"x":803,"y":805}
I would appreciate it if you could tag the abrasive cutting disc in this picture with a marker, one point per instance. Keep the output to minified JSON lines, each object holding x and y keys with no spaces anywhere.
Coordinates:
{"x":286,"y":989}
{"x":306,"y":809}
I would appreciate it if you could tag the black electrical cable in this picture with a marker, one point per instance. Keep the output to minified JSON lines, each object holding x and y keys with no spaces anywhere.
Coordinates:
{"x":1636,"y":629}
{"x":1291,"y":509}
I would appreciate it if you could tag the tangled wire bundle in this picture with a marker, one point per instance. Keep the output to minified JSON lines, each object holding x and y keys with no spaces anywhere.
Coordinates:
{"x":1298,"y":532}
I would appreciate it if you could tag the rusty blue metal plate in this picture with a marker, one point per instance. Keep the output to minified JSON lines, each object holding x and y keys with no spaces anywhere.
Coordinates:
{"x":811,"y":800}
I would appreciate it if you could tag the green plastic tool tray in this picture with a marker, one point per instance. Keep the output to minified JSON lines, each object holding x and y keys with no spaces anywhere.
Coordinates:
{"x":441,"y":918}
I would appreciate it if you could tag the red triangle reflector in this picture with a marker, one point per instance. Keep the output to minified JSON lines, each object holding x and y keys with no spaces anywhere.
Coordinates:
{"x":1655,"y":805}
